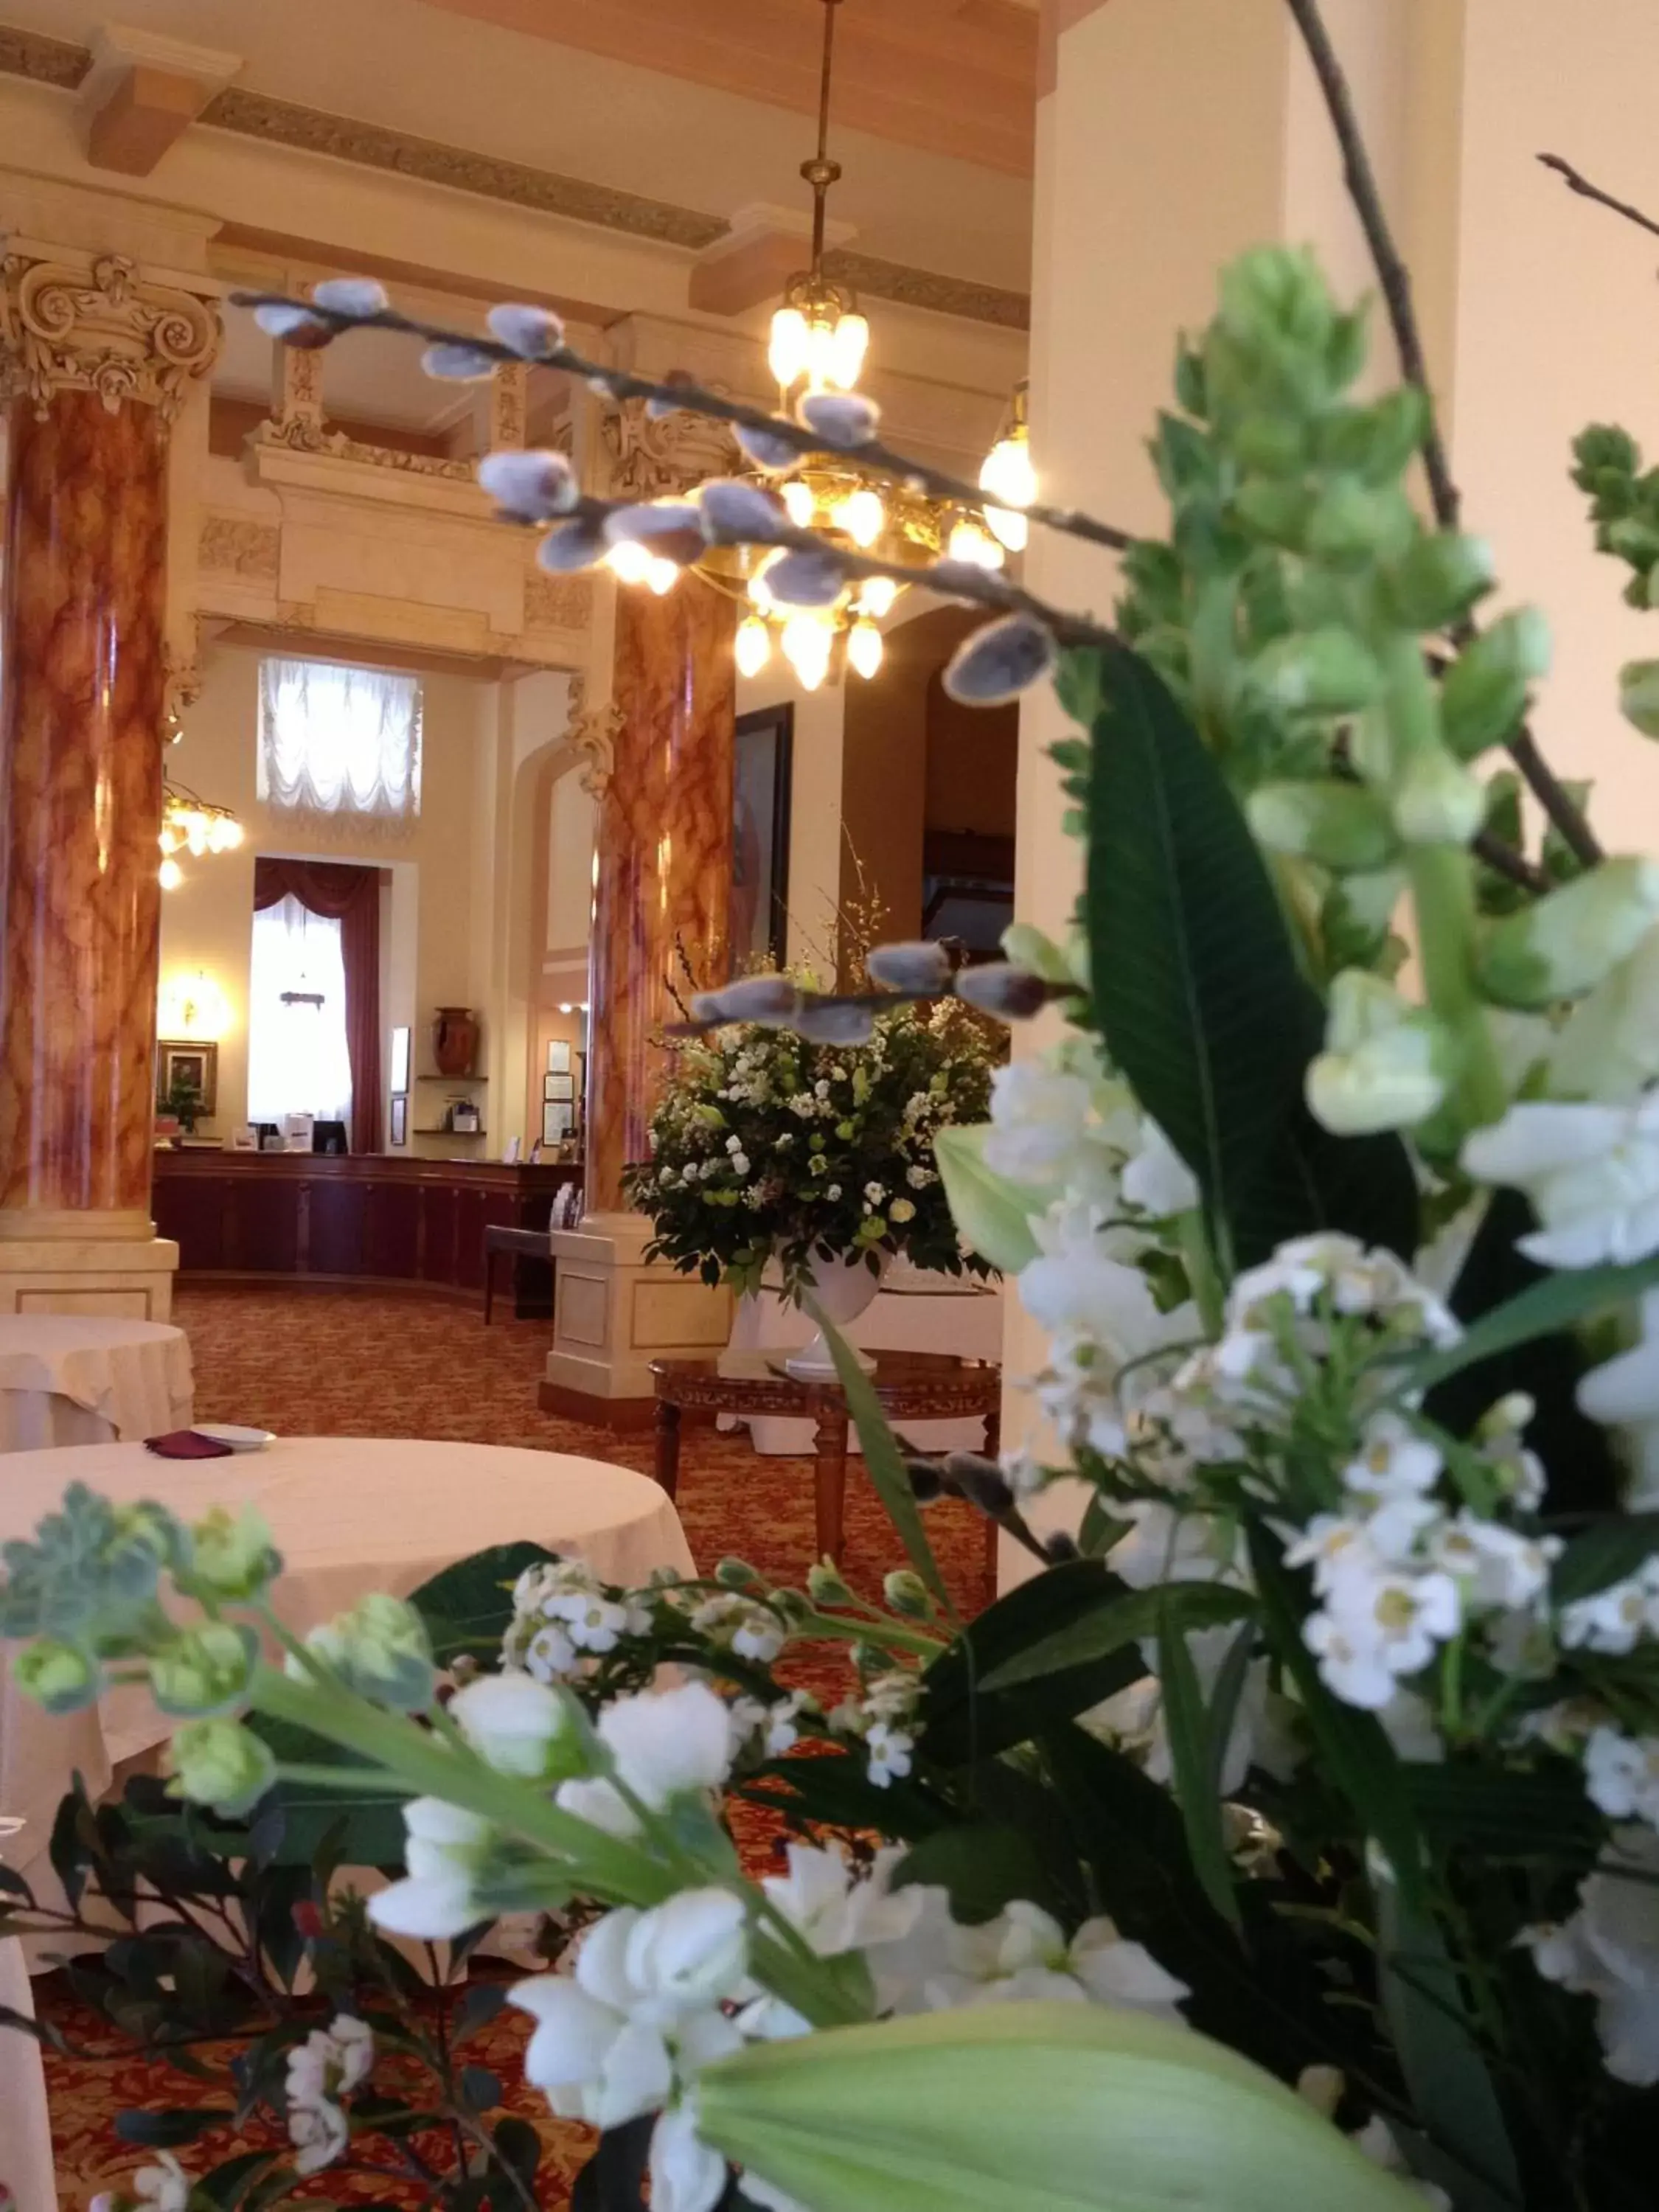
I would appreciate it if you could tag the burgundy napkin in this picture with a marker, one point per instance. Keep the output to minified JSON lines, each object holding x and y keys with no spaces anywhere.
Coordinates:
{"x":185,"y":1443}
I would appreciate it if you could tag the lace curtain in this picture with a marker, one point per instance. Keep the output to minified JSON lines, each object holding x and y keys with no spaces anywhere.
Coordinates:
{"x":297,"y":1057}
{"x":340,"y":741}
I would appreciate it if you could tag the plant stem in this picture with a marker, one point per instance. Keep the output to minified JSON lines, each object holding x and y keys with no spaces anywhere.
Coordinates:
{"x":1582,"y":187}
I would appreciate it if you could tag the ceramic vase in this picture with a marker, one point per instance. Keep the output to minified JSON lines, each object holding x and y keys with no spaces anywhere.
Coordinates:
{"x":843,"y":1285}
{"x":455,"y":1040}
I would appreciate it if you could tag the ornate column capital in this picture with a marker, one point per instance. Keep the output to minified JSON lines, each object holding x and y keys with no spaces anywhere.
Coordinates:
{"x":93,"y":323}
{"x":647,"y":456}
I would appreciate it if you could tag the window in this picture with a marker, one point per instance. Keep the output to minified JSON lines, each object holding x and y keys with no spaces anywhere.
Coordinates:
{"x":297,"y":1060}
{"x":339,"y":741}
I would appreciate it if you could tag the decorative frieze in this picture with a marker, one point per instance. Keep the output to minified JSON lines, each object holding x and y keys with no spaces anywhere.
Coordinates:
{"x":99,"y":326}
{"x":647,"y":457}
{"x":556,"y":602}
{"x":594,"y":731}
{"x":241,"y":546}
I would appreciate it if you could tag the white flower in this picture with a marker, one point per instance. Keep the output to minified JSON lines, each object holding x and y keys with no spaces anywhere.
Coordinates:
{"x":1392,"y":1462}
{"x":1045,"y":1130}
{"x":1024,"y":1954}
{"x":1615,"y":1618}
{"x":330,"y":2061}
{"x":1592,"y":1173}
{"x":686,"y":2175}
{"x":1496,"y":1566}
{"x":1356,"y":1281}
{"x":164,"y":2187}
{"x":550,"y":1656}
{"x":833,"y":1192}
{"x":513,"y":1721}
{"x":665,"y":1743}
{"x":444,"y":1848}
{"x":889,"y":1750}
{"x":1609,"y":1950}
{"x":774,"y":1725}
{"x":741,"y":1626}
{"x":1167,"y":1545}
{"x":1621,"y":1774}
{"x":741,"y":1163}
{"x":593,"y":1622}
{"x":1404,"y":1614}
{"x":875,"y":1192}
{"x":319,"y":2133}
{"x":1351,"y":1666}
{"x":1155,"y":1178}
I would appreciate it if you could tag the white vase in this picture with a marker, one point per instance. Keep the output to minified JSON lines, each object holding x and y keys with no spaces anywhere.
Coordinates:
{"x":842,"y":1285}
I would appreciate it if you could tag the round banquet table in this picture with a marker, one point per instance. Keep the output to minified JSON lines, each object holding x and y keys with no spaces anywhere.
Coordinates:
{"x":70,"y":1379}
{"x":25,"y":2161}
{"x":349,"y":1514}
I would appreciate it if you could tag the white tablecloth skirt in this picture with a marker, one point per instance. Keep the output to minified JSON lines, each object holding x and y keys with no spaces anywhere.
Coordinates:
{"x":25,"y":2162}
{"x":912,"y":1312}
{"x":70,"y":1379}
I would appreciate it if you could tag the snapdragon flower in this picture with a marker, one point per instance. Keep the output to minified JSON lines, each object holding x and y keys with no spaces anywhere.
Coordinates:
{"x":1609,"y":1950}
{"x":663,"y":1744}
{"x":1592,"y":1171}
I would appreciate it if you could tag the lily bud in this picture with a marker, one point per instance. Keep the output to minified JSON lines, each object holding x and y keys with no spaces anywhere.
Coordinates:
{"x":221,"y":1764}
{"x":1343,"y":826}
{"x":907,"y":1594}
{"x":1322,"y":672}
{"x":1437,"y":802}
{"x":1484,"y":694}
{"x":1565,"y":943}
{"x":1638,"y":695}
{"x":735,"y":1574}
{"x":1383,"y":1066}
{"x":1437,"y":579}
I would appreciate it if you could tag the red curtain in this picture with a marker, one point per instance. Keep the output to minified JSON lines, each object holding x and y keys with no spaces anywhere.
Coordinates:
{"x":350,"y":896}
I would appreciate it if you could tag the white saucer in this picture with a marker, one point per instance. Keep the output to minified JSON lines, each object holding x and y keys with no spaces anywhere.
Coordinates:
{"x":239,"y":1439}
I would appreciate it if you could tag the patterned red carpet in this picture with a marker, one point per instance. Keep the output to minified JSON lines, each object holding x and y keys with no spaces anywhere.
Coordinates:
{"x":351,"y":1364}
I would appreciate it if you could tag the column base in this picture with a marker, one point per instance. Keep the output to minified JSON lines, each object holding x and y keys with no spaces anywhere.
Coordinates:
{"x":132,"y":1276}
{"x":614,"y":1312}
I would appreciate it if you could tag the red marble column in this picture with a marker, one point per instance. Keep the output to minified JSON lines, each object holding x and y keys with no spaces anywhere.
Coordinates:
{"x":81,"y":698}
{"x":664,"y":853}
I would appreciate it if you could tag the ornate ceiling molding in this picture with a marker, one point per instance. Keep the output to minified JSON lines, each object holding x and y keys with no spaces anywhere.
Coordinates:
{"x":99,"y":327}
{"x":311,"y":130}
{"x":650,"y":456}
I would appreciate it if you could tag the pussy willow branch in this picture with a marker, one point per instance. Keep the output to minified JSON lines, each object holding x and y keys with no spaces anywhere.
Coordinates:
{"x":1395,"y":279}
{"x":698,"y":400}
{"x":1576,"y":183}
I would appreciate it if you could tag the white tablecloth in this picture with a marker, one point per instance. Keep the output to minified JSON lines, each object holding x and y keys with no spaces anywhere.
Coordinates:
{"x":349,"y":1514}
{"x":913,"y":1311}
{"x":90,"y":1379}
{"x":26,"y":2165}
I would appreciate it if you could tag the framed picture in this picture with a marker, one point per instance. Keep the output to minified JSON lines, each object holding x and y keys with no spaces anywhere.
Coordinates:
{"x":399,"y":1061}
{"x":558,"y":1122}
{"x":400,"y":1117}
{"x":558,"y":1055}
{"x":185,"y":1064}
{"x":558,"y":1090}
{"x":760,"y":837}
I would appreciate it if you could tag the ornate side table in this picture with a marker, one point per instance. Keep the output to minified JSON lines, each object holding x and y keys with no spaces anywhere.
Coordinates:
{"x":912,"y":1386}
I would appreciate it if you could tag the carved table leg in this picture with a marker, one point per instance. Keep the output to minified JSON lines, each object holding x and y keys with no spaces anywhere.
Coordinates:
{"x":829,"y":1481}
{"x":668,"y":1446}
{"x":993,"y":1450}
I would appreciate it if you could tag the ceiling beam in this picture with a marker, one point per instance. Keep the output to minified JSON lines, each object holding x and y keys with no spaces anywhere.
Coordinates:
{"x":141,"y":94}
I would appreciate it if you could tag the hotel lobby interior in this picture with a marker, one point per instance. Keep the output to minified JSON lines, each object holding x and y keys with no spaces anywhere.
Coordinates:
{"x":358,"y":853}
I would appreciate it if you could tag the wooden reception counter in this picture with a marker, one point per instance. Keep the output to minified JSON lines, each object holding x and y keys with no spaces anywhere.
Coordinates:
{"x":374,"y":1217}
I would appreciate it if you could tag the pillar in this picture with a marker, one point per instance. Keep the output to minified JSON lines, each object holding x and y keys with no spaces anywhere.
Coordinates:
{"x":660,"y":750}
{"x":97,"y":360}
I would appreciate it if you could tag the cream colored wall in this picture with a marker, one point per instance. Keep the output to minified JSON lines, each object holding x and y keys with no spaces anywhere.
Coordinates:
{"x":815,"y":806}
{"x":436,"y":941}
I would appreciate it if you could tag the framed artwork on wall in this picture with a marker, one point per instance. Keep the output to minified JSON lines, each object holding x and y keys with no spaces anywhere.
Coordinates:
{"x":187,"y":1064}
{"x":558,"y":1122}
{"x":760,"y":837}
{"x":558,"y":1090}
{"x":399,"y":1061}
{"x":558,"y":1055}
{"x":399,"y":1123}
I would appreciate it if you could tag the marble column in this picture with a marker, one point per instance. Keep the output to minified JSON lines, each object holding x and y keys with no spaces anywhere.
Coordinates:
{"x":664,"y":846}
{"x":96,"y":360}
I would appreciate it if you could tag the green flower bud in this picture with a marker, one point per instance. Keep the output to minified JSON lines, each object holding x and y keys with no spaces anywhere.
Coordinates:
{"x":1383,"y":1067}
{"x":907,"y":1594}
{"x":1354,"y":919}
{"x":1274,"y":297}
{"x":233,"y":1558}
{"x":1436,"y":579}
{"x":1567,"y":942}
{"x":1270,"y":445}
{"x":1603,"y":449}
{"x":1375,"y":442}
{"x":1322,"y":672}
{"x":735,"y":1574}
{"x":1484,"y":694}
{"x":1353,"y":524}
{"x":59,"y":1677}
{"x":221,"y":1764}
{"x":1438,"y":802}
{"x":206,"y":1670}
{"x":825,"y":1585}
{"x":1275,"y":509}
{"x":1341,"y":825}
{"x":1638,"y":695}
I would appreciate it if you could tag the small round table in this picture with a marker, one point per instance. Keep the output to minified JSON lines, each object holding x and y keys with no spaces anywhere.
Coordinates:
{"x":68,"y":1379}
{"x":911,"y":1386}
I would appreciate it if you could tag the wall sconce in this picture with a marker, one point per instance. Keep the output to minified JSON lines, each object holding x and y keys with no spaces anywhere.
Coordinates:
{"x":192,"y":1007}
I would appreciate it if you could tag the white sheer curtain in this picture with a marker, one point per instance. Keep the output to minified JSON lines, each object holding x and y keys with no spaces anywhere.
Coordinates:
{"x":297,"y":1060}
{"x":336,"y":740}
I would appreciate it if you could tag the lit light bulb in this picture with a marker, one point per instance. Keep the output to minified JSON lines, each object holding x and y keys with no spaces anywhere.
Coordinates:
{"x":862,"y":516}
{"x":628,"y":561}
{"x":864,"y":647}
{"x":878,"y":596}
{"x":1009,"y":477}
{"x":820,"y":354}
{"x":235,"y":834}
{"x":806,"y":643}
{"x":847,"y":347}
{"x":196,"y":833}
{"x":752,"y":646}
{"x":799,"y":501}
{"x":971,"y":543}
{"x":171,"y":874}
{"x":787,"y":352}
{"x":168,"y":839}
{"x":661,"y":575}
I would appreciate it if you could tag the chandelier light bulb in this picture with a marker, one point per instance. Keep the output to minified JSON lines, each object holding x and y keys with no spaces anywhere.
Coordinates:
{"x":878,"y":596}
{"x":806,"y":645}
{"x":168,"y":839}
{"x":171,"y":875}
{"x":1009,"y":477}
{"x":661,"y":575}
{"x":862,"y":516}
{"x":971,"y":543}
{"x":820,"y":354}
{"x":848,"y":344}
{"x":787,"y":352}
{"x":798,"y":502}
{"x":629,"y":562}
{"x":752,"y":646}
{"x":864,"y":646}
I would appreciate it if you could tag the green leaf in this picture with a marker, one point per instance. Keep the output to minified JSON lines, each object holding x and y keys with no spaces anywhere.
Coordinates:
{"x":369,"y":1822}
{"x":984,"y":1866}
{"x":228,"y":2184}
{"x":1508,"y":1816}
{"x":168,"y":2131}
{"x":1186,"y":1728}
{"x":1560,"y":1301}
{"x":1054,"y":2108}
{"x":1605,"y":1552}
{"x":834,"y":1792}
{"x":471,"y":1603}
{"x":1123,"y":1617}
{"x":884,"y":1460}
{"x":519,"y":2148}
{"x":1466,"y":2148}
{"x":1356,"y":1755}
{"x":993,"y":1213}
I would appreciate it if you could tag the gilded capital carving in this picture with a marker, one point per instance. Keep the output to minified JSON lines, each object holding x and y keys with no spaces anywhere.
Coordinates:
{"x":594,"y":731}
{"x":100,"y":327}
{"x":649,"y":457}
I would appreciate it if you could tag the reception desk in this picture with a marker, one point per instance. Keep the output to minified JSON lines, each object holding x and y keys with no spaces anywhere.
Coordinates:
{"x":373,"y":1218}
